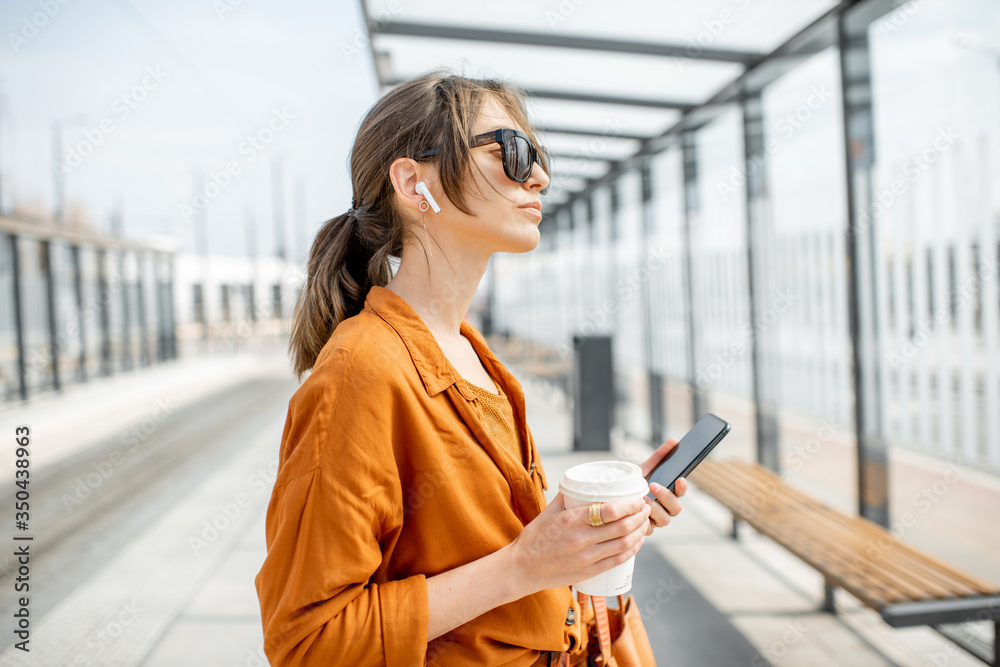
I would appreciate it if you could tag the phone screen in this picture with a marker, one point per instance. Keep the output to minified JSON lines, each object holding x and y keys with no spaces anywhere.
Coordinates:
{"x":690,"y":451}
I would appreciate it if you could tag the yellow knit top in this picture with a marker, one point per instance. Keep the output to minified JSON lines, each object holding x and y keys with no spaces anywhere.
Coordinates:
{"x":500,"y":419}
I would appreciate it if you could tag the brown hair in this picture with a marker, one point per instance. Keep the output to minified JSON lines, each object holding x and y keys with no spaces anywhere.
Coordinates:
{"x":351,"y":252}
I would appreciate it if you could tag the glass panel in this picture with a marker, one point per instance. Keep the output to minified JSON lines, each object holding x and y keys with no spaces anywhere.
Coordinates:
{"x":67,"y":340}
{"x":802,"y":276}
{"x":10,"y":385}
{"x":93,"y":304}
{"x":34,"y":305}
{"x":936,"y":209}
{"x":718,"y":242}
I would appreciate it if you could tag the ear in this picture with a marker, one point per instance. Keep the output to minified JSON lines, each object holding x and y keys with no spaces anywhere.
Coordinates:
{"x":405,"y":173}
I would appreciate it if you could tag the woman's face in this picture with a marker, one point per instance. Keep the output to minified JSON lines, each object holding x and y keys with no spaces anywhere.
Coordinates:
{"x":505,"y":213}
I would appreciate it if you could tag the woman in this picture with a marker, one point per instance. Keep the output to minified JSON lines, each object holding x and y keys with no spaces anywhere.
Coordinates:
{"x":408,"y":522}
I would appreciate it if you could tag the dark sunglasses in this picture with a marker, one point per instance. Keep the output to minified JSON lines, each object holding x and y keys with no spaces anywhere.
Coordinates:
{"x":516,"y":150}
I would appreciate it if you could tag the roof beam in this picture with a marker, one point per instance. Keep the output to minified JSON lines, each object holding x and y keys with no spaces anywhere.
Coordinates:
{"x":574,"y":96}
{"x":608,"y":99}
{"x":605,"y":134}
{"x":563,"y":41}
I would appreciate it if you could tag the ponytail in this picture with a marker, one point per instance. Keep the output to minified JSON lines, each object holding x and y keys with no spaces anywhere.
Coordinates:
{"x":344,"y":263}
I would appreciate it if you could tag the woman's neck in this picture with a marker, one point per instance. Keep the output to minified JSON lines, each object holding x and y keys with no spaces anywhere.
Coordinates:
{"x":440,"y":293}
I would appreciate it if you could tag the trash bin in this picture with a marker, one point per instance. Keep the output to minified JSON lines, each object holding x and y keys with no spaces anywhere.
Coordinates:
{"x":593,"y":393}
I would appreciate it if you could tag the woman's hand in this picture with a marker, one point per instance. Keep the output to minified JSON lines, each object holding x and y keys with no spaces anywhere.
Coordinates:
{"x":560,"y":547}
{"x":669,"y":505}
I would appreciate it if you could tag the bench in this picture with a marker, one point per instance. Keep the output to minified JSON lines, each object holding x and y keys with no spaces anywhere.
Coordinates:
{"x":905,"y":586}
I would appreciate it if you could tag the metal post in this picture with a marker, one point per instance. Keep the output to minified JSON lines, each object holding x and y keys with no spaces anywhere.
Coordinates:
{"x":855,"y":73}
{"x":699,"y":404}
{"x":18,"y":316}
{"x":203,"y":249}
{"x":613,"y":250}
{"x":996,"y":643}
{"x":594,"y":237}
{"x":576,"y":298}
{"x":299,"y":231}
{"x":144,"y":355}
{"x":657,"y":416}
{"x":78,"y":290}
{"x":250,"y":228}
{"x":126,"y":333}
{"x":278,"y":207}
{"x":765,"y":408}
{"x":58,"y":173}
{"x":615,"y":319}
{"x":161,"y":328}
{"x":50,"y":297}
{"x":59,"y":169}
{"x":105,"y":299}
{"x":564,"y":236}
{"x":489,"y":318}
{"x":171,"y":319}
{"x":829,"y":593}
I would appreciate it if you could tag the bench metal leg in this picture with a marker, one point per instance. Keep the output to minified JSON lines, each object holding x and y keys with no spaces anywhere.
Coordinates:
{"x":828,"y":593}
{"x":996,"y":643}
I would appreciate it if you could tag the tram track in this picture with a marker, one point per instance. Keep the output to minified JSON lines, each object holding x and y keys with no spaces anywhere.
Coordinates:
{"x":77,"y":532}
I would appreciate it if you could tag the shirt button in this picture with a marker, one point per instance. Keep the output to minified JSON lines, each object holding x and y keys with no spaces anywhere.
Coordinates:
{"x":571,"y":616}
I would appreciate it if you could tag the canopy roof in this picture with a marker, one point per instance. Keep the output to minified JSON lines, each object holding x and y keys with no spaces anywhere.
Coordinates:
{"x":608,"y":82}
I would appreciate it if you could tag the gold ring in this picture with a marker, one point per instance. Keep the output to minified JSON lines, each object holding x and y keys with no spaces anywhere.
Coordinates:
{"x":595,"y":515}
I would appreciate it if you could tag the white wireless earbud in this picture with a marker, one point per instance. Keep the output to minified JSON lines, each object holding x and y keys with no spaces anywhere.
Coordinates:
{"x":422,"y":189}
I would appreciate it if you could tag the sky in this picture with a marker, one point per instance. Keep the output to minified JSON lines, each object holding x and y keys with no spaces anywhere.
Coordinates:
{"x":151,"y":94}
{"x":157,"y":102}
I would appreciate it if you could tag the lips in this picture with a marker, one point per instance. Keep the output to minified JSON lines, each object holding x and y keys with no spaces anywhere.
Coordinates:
{"x":534,"y":207}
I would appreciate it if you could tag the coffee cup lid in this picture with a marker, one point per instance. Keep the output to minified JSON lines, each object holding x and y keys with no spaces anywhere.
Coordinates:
{"x":604,"y":481}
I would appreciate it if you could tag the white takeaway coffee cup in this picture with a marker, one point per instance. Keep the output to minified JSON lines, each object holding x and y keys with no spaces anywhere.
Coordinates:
{"x":604,"y":481}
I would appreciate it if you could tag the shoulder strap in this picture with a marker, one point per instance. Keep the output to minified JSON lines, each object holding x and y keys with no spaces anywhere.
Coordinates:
{"x":603,"y":626}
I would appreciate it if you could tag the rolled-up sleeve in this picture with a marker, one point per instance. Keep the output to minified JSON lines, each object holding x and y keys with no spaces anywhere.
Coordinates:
{"x":335,"y":506}
{"x":316,"y":603}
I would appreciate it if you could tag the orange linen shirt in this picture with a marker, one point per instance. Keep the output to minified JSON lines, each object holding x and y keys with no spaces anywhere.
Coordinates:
{"x":388,"y":475}
{"x":498,"y":415}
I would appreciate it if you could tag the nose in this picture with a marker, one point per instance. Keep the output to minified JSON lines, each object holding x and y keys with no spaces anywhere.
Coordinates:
{"x":539,"y":179}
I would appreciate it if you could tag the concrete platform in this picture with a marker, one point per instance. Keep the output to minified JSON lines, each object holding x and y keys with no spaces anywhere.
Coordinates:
{"x":164,"y":598}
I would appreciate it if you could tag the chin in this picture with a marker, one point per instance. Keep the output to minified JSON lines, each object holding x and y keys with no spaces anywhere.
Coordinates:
{"x":528,"y":241}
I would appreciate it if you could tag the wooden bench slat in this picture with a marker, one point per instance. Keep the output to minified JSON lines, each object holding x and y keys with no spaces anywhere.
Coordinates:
{"x":907,"y":561}
{"x":917,"y":563}
{"x":892,"y":561}
{"x":927,"y":563}
{"x":902,"y":568}
{"x":833,"y":543}
{"x":891,"y":584}
{"x":839,"y":560}
{"x":946,"y":575}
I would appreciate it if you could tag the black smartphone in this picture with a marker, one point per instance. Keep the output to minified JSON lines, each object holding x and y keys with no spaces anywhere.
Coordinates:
{"x":690,"y":451}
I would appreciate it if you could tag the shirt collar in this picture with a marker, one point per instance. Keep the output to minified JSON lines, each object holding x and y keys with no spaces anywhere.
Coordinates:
{"x":433,"y":366}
